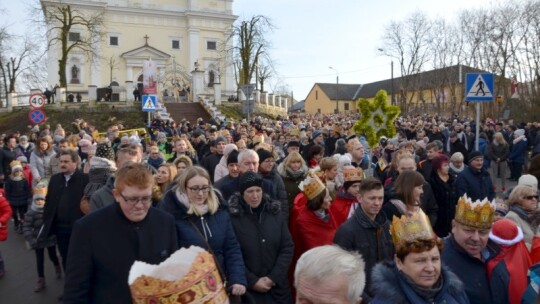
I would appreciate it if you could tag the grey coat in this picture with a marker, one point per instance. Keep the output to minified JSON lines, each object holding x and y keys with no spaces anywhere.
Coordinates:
{"x":104,"y":196}
{"x":39,"y":162}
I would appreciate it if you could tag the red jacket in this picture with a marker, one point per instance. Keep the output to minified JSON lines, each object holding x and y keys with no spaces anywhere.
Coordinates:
{"x":5,"y":215}
{"x":341,"y":207}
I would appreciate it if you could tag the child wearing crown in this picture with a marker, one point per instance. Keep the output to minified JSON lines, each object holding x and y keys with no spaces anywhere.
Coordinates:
{"x":33,"y":221}
{"x":416,"y":275}
{"x":18,"y":193}
{"x":346,"y":201}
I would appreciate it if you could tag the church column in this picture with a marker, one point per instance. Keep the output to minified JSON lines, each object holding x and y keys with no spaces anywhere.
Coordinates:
{"x":52,"y":60}
{"x":228,"y":80}
{"x":193,"y":51}
{"x":129,"y":73}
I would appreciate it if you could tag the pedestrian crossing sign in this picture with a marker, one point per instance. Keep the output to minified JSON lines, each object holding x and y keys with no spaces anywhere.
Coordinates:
{"x":149,"y":103}
{"x":479,"y":87}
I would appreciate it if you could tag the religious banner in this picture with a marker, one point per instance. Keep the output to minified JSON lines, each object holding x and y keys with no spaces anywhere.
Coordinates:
{"x":149,"y":77}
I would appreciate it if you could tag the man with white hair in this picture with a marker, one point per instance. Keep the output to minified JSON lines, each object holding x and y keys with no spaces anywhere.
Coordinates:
{"x":329,"y":274}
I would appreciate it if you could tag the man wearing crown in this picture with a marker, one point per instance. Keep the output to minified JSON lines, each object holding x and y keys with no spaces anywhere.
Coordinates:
{"x":468,"y":250}
{"x":368,"y":230}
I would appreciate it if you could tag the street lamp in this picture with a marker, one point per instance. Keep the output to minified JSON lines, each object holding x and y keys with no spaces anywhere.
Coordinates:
{"x":391,"y":78}
{"x":336,"y":111}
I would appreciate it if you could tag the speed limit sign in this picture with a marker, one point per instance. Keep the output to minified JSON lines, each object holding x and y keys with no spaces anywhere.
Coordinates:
{"x":37,"y":101}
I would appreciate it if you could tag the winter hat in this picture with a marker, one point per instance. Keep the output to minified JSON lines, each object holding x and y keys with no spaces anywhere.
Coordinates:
{"x":293,"y":143}
{"x":519,"y":132}
{"x":528,"y":180}
{"x":474,"y":155}
{"x":219,"y":139}
{"x":16,"y":166}
{"x":501,"y":207}
{"x":40,"y":192}
{"x":99,"y":162}
{"x":23,"y":138}
{"x":505,"y":232}
{"x":264,"y":154}
{"x":250,"y":179}
{"x":85,"y":145}
{"x":22,"y":159}
{"x":104,"y":150}
{"x":316,"y":134}
{"x":232,"y":158}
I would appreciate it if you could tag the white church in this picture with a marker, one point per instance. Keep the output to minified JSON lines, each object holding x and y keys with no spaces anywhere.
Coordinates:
{"x":180,"y":36}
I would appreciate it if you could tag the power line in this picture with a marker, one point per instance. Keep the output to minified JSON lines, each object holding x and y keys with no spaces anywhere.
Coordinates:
{"x":332,"y":74}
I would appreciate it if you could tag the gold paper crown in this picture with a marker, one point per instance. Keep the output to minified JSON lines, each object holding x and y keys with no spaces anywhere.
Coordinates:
{"x":41,"y":191}
{"x":410,"y":228}
{"x":478,"y":214}
{"x":352,"y":174}
{"x":312,"y":186}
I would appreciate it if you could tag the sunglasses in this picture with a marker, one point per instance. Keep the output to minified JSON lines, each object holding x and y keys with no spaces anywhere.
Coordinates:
{"x":530,"y":197}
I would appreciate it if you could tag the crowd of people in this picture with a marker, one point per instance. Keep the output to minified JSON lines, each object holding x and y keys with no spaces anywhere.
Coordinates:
{"x":293,"y":210}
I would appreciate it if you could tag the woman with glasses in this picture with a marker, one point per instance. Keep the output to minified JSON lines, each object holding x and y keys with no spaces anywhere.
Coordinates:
{"x":523,"y":201}
{"x":201,"y":221}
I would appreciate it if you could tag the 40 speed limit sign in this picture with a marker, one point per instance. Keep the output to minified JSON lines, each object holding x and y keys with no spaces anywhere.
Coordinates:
{"x":37,"y":101}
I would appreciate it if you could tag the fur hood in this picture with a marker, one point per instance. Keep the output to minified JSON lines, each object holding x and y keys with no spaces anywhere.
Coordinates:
{"x":386,"y":284}
{"x":283,"y":172}
{"x":237,"y":206}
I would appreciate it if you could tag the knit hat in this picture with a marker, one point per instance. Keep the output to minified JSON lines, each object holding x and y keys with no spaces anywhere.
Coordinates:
{"x":293,"y":143}
{"x":85,"y":145}
{"x":104,"y":150}
{"x":16,"y":166}
{"x":316,"y":134}
{"x":501,"y":207}
{"x":519,"y":132}
{"x":219,"y":139}
{"x":528,"y":180}
{"x":505,"y":232}
{"x":100,"y":162}
{"x":23,"y":138}
{"x":197,"y":133}
{"x":474,"y":155}
{"x":22,"y":159}
{"x":250,"y":179}
{"x":40,"y":192}
{"x":232,"y":158}
{"x":264,"y":154}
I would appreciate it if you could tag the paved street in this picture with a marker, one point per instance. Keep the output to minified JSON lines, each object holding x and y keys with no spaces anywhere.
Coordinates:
{"x":17,"y":286}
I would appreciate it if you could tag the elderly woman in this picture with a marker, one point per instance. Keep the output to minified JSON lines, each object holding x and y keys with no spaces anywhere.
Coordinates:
{"x":523,"y":201}
{"x":416,"y":275}
{"x":40,"y":159}
{"x":457,"y":164}
{"x":265,"y":241}
{"x":293,"y":170}
{"x":201,"y":222}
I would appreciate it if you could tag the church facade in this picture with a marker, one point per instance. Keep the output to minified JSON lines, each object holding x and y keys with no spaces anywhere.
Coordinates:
{"x":179,"y":36}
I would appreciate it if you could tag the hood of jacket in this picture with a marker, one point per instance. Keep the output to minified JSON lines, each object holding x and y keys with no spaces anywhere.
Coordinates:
{"x":237,"y":205}
{"x":386,"y":283}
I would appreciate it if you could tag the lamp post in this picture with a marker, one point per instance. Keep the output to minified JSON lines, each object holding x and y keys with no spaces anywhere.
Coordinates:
{"x":336,"y":111}
{"x":393,"y":102}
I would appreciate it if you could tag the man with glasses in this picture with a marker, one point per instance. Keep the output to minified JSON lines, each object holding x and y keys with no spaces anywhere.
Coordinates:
{"x":106,"y":243}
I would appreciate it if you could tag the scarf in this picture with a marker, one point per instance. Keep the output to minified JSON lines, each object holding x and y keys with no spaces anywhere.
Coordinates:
{"x":184,"y":200}
{"x":295,"y":174}
{"x":455,"y":169}
{"x":322,"y":214}
{"x":427,"y":294}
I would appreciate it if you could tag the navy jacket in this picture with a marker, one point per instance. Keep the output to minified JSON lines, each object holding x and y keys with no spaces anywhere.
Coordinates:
{"x":390,"y":287}
{"x":472,"y":272}
{"x":103,"y":247}
{"x":477,"y":184}
{"x":517,"y":152}
{"x":219,"y":233}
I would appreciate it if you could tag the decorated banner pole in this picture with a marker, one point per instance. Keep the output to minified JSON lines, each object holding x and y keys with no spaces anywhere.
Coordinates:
{"x":376,"y":120}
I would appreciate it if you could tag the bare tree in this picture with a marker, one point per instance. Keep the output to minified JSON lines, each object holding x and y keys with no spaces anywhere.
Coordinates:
{"x":62,"y":21}
{"x":408,"y":42}
{"x":250,"y":46}
{"x":265,"y":72}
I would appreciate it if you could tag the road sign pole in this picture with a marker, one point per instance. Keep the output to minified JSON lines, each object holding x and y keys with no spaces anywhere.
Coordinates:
{"x":476,"y":141}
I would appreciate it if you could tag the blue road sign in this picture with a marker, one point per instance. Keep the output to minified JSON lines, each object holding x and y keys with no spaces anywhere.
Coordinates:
{"x":149,"y":103}
{"x":479,"y":87}
{"x":36,"y":116}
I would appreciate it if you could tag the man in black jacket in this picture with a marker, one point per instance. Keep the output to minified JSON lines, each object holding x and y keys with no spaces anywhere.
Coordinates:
{"x":107,"y":242}
{"x":368,"y":230}
{"x":8,"y":153}
{"x":63,"y":200}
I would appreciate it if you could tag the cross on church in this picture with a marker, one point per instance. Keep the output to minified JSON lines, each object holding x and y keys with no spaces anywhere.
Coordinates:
{"x":146,"y":39}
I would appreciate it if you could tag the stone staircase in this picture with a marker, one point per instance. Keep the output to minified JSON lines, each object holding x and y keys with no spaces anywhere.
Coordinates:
{"x":187,"y":110}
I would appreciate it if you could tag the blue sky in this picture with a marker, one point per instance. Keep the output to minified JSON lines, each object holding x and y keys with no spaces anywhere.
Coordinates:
{"x":312,"y":35}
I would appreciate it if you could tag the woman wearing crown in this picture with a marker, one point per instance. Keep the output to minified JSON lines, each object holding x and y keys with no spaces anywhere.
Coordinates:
{"x":416,"y":275}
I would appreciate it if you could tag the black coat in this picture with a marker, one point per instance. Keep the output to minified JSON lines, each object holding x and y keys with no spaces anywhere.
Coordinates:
{"x":104,"y":246}
{"x":427,"y":202}
{"x":63,"y":202}
{"x":8,"y":155}
{"x":266,"y":245}
{"x":17,"y":192}
{"x":371,"y":239}
{"x":445,"y":196}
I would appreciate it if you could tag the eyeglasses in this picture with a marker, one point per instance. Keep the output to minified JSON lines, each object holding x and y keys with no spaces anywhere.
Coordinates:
{"x":269,"y":161}
{"x":134,"y":200}
{"x":530,"y":197}
{"x":204,"y":190}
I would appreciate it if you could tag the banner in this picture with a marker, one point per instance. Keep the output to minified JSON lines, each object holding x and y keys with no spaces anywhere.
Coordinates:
{"x":149,"y":77}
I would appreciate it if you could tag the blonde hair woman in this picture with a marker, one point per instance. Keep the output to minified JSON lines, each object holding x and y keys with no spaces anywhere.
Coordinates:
{"x":163,"y":179}
{"x":523,"y":201}
{"x":293,"y":170}
{"x":201,"y":221}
